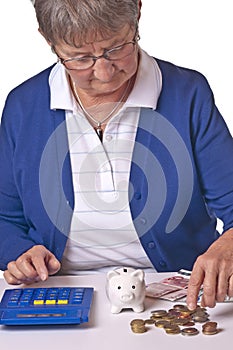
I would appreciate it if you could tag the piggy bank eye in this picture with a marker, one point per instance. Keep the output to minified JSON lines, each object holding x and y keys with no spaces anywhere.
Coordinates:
{"x":133,"y":287}
{"x":119,"y":287}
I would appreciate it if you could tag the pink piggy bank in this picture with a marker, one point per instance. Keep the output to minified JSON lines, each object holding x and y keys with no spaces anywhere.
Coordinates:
{"x":126,"y":289}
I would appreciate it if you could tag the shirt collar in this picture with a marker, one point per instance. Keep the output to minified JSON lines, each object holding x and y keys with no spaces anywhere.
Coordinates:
{"x":148,"y":83}
{"x":60,"y":92}
{"x":145,"y":93}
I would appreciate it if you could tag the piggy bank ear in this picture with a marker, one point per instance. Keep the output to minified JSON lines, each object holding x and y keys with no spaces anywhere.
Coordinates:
{"x":139,"y":274}
{"x":112,"y":274}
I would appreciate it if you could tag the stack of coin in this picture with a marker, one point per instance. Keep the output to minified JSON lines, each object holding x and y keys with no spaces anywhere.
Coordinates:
{"x":138,"y":326}
{"x":210,"y":328}
{"x":172,"y":329}
{"x":157,"y":314}
{"x":200,"y":315}
{"x":189,"y":331}
{"x":162,"y":323}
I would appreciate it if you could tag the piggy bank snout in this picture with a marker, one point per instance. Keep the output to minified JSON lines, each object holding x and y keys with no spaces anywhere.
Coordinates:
{"x":127,"y":297}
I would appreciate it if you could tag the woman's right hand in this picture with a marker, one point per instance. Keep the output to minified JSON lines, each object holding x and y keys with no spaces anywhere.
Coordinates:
{"x":34,"y":265}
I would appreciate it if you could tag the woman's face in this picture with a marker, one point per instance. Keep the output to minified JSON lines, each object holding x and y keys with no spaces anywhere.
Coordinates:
{"x":105,"y":76}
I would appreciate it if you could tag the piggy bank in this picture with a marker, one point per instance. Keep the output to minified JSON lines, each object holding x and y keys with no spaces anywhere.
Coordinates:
{"x":125,"y":289}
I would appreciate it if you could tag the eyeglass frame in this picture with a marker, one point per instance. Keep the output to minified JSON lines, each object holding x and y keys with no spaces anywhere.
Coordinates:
{"x":95,"y":58}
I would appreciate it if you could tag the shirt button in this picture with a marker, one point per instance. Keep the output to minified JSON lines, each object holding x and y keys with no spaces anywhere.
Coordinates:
{"x":151,"y":245}
{"x":58,"y":251}
{"x":162,"y":263}
{"x":137,"y":195}
{"x":108,"y":138}
{"x":143,"y":221}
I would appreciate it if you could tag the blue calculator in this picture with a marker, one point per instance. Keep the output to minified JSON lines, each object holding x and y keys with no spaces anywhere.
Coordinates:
{"x":44,"y":306}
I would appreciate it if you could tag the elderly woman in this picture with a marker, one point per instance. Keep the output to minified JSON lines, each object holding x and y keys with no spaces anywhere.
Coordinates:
{"x":111,"y":157}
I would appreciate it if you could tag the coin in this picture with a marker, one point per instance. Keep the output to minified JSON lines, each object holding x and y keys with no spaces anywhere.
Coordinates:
{"x":172,"y":330}
{"x":154,"y":318}
{"x":210,"y":324}
{"x":179,"y":321}
{"x":174,"y":312}
{"x":180,"y":307}
{"x":149,"y":321}
{"x":210,"y":332}
{"x":168,"y":317}
{"x":190,"y":331}
{"x":189,"y":324}
{"x":200,"y":313}
{"x":162,"y":323}
{"x":210,"y":328}
{"x":138,"y":325}
{"x":138,"y":322}
{"x":139,"y":331}
{"x":200,"y":318}
{"x":158,"y":313}
{"x":185,"y":313}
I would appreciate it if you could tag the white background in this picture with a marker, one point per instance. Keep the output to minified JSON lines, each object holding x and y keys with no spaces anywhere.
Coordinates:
{"x":192,"y":33}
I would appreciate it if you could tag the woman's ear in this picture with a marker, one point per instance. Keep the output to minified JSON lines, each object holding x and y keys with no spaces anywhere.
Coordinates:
{"x":139,"y":9}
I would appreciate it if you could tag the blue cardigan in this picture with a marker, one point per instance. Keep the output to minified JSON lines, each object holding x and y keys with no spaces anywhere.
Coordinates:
{"x":181,"y":176}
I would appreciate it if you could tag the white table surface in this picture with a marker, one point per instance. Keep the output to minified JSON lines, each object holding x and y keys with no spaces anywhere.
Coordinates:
{"x":108,"y":331}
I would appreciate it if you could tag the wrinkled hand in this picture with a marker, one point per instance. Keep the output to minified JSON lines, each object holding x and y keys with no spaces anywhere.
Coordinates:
{"x":213,"y":270}
{"x":34,"y":265}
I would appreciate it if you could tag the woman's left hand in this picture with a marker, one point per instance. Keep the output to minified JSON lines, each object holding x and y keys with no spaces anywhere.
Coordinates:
{"x":213,"y":271}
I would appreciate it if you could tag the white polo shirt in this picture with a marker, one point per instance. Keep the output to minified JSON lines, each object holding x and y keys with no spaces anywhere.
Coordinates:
{"x":102,"y":234}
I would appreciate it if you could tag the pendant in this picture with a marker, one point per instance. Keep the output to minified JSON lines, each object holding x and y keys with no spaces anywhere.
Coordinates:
{"x":99,"y":132}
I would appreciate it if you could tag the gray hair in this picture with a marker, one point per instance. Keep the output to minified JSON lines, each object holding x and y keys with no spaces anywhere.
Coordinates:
{"x":76,"y":22}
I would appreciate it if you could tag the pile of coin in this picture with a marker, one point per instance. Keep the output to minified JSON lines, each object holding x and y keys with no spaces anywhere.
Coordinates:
{"x":178,"y":320}
{"x":210,"y":328}
{"x":138,"y":326}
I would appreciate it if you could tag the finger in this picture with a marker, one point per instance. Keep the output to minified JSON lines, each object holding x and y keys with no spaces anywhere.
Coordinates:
{"x":45,"y":264}
{"x":11,"y":279}
{"x":222,"y":286}
{"x":209,"y":289}
{"x":53,"y":265}
{"x":25,"y":267}
{"x":38,"y":257}
{"x":194,"y":286}
{"x":16,"y":272}
{"x":40,"y":267}
{"x":230,"y":287}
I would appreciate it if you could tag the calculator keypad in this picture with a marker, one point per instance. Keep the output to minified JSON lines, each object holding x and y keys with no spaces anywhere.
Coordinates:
{"x":45,"y":296}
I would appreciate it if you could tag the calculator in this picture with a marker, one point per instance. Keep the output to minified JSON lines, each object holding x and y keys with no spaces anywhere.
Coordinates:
{"x":44,"y":306}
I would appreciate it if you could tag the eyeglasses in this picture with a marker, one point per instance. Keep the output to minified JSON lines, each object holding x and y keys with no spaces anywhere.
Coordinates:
{"x":116,"y":53}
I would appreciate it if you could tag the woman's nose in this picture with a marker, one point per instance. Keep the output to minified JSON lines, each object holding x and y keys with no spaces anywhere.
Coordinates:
{"x":103,"y":69}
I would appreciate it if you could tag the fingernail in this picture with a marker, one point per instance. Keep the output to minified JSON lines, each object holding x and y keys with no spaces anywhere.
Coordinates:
{"x":191,"y":306}
{"x":43,"y":277}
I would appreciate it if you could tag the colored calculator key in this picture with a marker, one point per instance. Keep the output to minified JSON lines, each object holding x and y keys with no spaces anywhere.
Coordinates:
{"x":60,"y":305}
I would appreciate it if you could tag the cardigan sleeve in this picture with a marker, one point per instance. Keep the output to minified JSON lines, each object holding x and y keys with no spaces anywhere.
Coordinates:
{"x":213,"y":150}
{"x":14,"y":238}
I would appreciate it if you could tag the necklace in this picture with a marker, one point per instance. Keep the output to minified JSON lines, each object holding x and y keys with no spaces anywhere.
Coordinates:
{"x":99,"y":123}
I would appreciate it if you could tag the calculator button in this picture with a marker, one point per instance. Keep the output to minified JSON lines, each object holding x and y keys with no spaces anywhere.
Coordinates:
{"x":62,"y":302}
{"x":76,"y":301}
{"x":50,"y":301}
{"x":12,"y":303}
{"x":24,"y":302}
{"x":38,"y":302}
